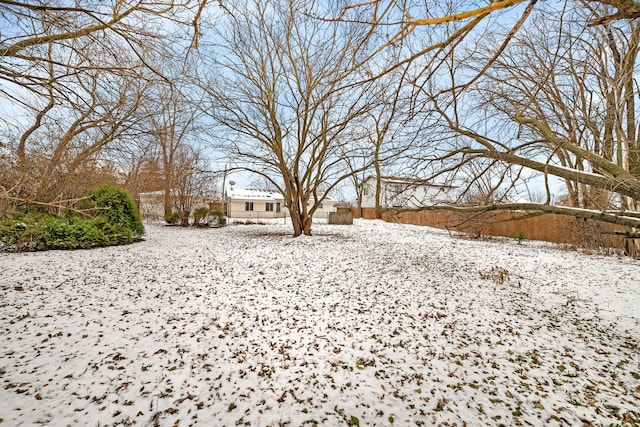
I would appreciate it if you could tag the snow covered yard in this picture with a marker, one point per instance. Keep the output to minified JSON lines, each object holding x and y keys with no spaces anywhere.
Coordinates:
{"x":374,"y":324}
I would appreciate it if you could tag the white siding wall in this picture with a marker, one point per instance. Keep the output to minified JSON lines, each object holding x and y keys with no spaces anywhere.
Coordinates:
{"x":369,"y":194}
{"x":397,"y":194}
{"x":237,"y":209}
{"x":323,"y":212}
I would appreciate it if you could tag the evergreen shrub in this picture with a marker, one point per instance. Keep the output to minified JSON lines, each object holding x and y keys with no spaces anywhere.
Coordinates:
{"x":115,"y":220}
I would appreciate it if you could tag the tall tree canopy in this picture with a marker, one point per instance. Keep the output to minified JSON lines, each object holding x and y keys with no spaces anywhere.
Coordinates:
{"x":522,"y":86}
{"x":280,"y":92}
{"x":73,"y":79}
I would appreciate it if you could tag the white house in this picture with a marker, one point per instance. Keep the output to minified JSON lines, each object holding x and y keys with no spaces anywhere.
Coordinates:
{"x":400,"y":192}
{"x":261,"y":204}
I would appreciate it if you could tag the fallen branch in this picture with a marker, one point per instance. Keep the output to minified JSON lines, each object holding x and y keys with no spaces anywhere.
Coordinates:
{"x":60,"y":204}
{"x":619,"y":218}
{"x":627,"y":234}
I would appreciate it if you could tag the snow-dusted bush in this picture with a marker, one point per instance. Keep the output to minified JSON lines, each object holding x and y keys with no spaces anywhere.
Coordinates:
{"x":115,"y":220}
{"x":200,"y":215}
{"x":120,"y":212}
{"x":220,"y":218}
{"x":172,"y":218}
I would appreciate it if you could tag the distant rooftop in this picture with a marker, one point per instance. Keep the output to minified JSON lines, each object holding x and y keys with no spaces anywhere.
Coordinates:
{"x":409,"y":181}
{"x":253,"y":194}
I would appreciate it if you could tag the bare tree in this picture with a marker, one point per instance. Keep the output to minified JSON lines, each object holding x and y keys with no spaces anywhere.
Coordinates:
{"x":139,"y":165}
{"x":386,"y":124}
{"x":72,"y":129}
{"x":283,"y":99}
{"x":72,"y":77}
{"x":557,"y":104}
{"x":535,"y":99}
{"x":578,"y":83}
{"x":173,"y":114}
{"x":192,"y":180}
{"x":381,"y":136}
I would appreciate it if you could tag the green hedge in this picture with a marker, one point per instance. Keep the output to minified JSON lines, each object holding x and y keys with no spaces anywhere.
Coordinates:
{"x":118,"y":209}
{"x":115,"y":221}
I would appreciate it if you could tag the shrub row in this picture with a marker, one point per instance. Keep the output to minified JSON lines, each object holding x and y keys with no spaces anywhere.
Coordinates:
{"x":201,"y":217}
{"x":114,"y":220}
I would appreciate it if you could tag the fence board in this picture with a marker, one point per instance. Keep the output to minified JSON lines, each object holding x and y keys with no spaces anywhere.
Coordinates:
{"x":548,"y":227}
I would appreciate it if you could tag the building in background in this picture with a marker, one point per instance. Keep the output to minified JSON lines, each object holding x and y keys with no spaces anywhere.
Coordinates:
{"x":263,"y":204}
{"x":406,"y":193}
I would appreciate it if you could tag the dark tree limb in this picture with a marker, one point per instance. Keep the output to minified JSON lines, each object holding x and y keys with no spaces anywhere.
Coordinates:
{"x":618,"y":218}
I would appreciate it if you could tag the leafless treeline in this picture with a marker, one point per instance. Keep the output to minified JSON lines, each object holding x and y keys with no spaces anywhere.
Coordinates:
{"x":315,"y":95}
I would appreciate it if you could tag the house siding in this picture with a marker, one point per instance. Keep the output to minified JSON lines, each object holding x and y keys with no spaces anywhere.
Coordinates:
{"x":238,"y":198}
{"x":236,"y":209}
{"x":405,"y":194}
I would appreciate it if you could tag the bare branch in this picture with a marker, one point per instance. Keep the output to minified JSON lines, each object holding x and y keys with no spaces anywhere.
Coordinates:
{"x":611,"y":218}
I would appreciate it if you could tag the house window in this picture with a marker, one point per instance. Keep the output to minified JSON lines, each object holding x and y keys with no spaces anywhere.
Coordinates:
{"x":320,"y":206}
{"x":268,"y":207}
{"x":248,"y":206}
{"x":395,"y":188}
{"x":365,"y":192}
{"x":278,"y":207}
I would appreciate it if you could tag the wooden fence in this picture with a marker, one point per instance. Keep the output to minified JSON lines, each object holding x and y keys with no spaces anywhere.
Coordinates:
{"x":562,"y":229}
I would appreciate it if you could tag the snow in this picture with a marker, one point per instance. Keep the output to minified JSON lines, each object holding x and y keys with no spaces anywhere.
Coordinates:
{"x":370,"y":324}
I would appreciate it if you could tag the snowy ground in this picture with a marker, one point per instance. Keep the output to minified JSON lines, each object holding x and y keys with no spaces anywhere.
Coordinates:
{"x":374,"y":324}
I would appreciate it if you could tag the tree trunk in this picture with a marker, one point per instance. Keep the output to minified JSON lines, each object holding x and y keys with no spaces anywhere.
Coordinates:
{"x":633,"y":147}
{"x":168,"y":207}
{"x":297,"y":224}
{"x":307,"y":225}
{"x":376,"y":164}
{"x":167,"y":159}
{"x":300,"y":220}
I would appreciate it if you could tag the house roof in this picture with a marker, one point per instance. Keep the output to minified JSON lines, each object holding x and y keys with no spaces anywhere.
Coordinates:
{"x":266,"y":195}
{"x":409,"y":181}
{"x":251,"y":194}
{"x":174,"y":192}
